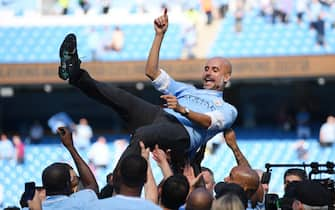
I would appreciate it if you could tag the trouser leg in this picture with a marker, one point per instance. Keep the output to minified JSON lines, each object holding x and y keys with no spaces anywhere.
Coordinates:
{"x":133,"y":110}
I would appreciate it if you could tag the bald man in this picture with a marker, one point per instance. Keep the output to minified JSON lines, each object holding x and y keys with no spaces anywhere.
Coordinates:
{"x":190,"y":117}
{"x":246,"y":177}
{"x":199,"y":199}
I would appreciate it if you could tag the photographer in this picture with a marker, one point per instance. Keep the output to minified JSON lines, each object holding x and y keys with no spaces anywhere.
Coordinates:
{"x":307,"y":194}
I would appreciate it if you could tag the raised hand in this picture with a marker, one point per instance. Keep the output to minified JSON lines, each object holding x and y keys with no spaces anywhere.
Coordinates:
{"x":161,"y":23}
{"x":159,"y":155}
{"x":66,"y":136}
{"x":145,"y":152}
{"x":230,"y":137}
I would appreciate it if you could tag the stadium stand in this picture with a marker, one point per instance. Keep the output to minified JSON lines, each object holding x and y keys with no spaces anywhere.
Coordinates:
{"x":36,"y":44}
{"x":40,"y":44}
{"x":259,"y":39}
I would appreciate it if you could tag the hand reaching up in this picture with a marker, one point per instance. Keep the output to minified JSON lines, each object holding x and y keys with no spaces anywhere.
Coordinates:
{"x":66,"y":136}
{"x":230,"y":137}
{"x":161,"y":23}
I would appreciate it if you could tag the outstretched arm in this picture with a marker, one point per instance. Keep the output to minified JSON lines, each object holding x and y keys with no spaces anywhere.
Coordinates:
{"x":84,"y":171}
{"x":161,"y":25}
{"x":150,"y":187}
{"x":230,"y":138}
{"x":160,"y":157}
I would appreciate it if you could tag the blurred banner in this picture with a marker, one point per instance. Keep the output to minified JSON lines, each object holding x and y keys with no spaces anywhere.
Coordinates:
{"x":243,"y":69}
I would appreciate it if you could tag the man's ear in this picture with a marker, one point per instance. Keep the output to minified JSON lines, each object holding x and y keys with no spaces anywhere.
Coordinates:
{"x":226,"y":77}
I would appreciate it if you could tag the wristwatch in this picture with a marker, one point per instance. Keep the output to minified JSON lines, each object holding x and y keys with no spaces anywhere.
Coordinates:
{"x":186,"y":111}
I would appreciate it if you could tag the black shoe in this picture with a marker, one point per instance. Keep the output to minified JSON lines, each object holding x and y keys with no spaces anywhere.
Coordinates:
{"x":69,"y":61}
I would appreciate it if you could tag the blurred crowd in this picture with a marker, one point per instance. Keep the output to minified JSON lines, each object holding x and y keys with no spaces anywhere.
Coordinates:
{"x":189,"y":187}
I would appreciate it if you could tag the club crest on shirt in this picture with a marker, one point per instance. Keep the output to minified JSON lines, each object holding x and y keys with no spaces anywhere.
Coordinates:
{"x":218,"y":102}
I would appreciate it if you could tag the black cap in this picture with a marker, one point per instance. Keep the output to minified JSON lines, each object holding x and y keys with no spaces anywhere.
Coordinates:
{"x":308,"y":192}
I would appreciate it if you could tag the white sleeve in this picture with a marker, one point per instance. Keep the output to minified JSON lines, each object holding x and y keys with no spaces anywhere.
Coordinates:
{"x":222,"y":119}
{"x":162,"y":82}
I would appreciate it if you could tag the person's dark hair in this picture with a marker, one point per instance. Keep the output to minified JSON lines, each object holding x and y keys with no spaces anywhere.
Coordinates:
{"x":133,"y":171}
{"x":56,"y":179}
{"x":207,"y":169}
{"x":174,"y":191}
{"x":106,"y":191}
{"x":297,"y":172}
{"x":109,"y":178}
{"x":223,"y":188}
{"x":199,"y":199}
{"x":12,"y":208}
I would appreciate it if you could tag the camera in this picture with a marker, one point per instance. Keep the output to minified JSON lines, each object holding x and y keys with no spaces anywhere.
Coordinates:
{"x":273,"y":202}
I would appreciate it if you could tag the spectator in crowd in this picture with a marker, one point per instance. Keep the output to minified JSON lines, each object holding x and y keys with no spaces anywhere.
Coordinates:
{"x":76,"y":184}
{"x":303,"y":123}
{"x":316,"y":16}
{"x":266,"y":9}
{"x":301,"y":8}
{"x":223,"y":188}
{"x":301,"y":148}
{"x":94,"y":43}
{"x":199,"y":199}
{"x":281,"y":9}
{"x":195,"y":116}
{"x":85,"y":5}
{"x":207,"y":7}
{"x":36,"y":133}
{"x":99,"y":153}
{"x":209,"y":180}
{"x":82,"y":134}
{"x":294,"y":175}
{"x":132,"y":175}
{"x":56,"y":180}
{"x":19,"y":149}
{"x":117,"y":41}
{"x":65,"y":6}
{"x":7,"y":150}
{"x":228,"y":202}
{"x":332,"y":15}
{"x":238,"y":14}
{"x":189,"y":39}
{"x":223,"y":7}
{"x":242,"y":174}
{"x":307,"y":194}
{"x":327,"y":132}
{"x":105,"y":6}
{"x":174,"y":192}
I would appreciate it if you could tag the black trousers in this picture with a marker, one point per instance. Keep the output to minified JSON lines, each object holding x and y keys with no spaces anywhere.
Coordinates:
{"x":147,"y":122}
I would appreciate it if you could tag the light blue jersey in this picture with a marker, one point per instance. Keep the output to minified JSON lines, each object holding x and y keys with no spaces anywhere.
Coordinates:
{"x":80,"y":200}
{"x":122,"y":202}
{"x":209,"y":102}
